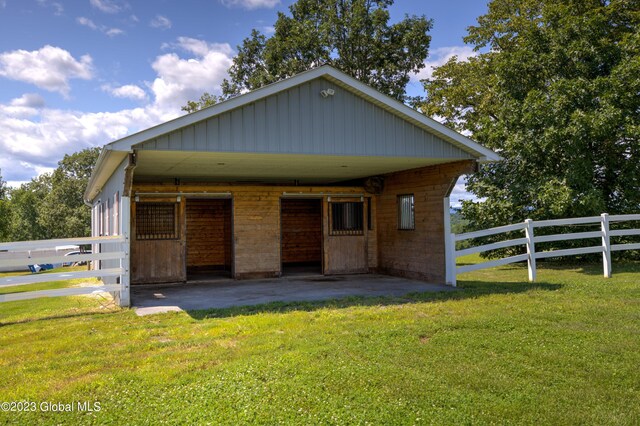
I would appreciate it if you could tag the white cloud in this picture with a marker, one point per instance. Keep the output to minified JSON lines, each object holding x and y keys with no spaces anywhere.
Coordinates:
{"x":58,"y":9}
{"x":29,"y":143}
{"x":268,"y":30}
{"x":108,"y":6}
{"x":460,"y":193}
{"x":35,"y":137}
{"x":28,"y":105}
{"x":111,"y":32}
{"x":251,"y":4}
{"x":86,"y":22}
{"x":130,"y":91}
{"x":3,"y":4}
{"x":161,"y":22}
{"x":32,"y":100}
{"x":49,"y":68}
{"x":180,"y":79}
{"x":441,"y":56}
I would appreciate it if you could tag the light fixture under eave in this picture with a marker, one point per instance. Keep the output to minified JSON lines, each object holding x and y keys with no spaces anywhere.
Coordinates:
{"x":327,"y":92}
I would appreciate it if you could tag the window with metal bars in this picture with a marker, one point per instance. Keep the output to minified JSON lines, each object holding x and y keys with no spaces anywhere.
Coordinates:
{"x":347,"y":218}
{"x":156,"y":221}
{"x":406,"y":214}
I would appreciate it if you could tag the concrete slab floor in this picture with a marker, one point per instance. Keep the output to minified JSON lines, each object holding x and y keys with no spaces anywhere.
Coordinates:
{"x":226,"y":293}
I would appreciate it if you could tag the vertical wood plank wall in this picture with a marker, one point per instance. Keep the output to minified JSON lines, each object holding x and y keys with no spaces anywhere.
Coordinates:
{"x":301,"y":224}
{"x":208,"y":238}
{"x":256,"y":242}
{"x":256,"y":218}
{"x":417,"y":253}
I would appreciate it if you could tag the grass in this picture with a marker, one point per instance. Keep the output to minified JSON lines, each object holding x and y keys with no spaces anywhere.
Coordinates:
{"x":561,"y":351}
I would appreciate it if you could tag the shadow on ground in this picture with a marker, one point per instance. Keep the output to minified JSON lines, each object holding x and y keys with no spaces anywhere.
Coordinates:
{"x":467,"y":289}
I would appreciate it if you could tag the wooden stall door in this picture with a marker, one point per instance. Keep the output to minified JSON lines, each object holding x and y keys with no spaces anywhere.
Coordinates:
{"x":301,"y":226}
{"x":208,"y":237}
{"x":348,"y":253}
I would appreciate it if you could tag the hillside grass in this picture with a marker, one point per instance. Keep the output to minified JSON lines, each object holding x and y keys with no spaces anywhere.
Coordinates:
{"x":561,"y":351}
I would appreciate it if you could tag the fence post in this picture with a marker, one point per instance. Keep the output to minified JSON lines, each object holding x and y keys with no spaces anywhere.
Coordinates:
{"x":452,"y":259}
{"x":606,"y":245}
{"x":449,"y":253}
{"x":125,"y":227}
{"x":531,"y":249}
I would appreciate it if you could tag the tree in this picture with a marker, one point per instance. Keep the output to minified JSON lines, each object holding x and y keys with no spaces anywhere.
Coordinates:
{"x":62,"y":211}
{"x":556,"y":94}
{"x":51,"y":205}
{"x":352,"y":35}
{"x":206,"y":100}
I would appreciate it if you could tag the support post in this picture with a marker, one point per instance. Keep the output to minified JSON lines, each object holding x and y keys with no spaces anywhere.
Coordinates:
{"x":449,"y":254}
{"x":125,"y":227}
{"x":531,"y":250}
{"x":606,"y":245}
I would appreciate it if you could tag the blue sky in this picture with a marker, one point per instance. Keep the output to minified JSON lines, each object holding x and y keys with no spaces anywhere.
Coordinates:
{"x":81,"y":73}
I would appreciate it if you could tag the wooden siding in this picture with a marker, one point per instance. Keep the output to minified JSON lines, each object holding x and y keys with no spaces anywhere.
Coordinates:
{"x":256,"y":243}
{"x":208,"y":233}
{"x":301,"y":230}
{"x":301,"y":121}
{"x":256,"y":221}
{"x":417,"y":253}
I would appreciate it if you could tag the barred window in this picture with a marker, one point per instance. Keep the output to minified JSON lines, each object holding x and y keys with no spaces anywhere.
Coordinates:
{"x":156,"y":221}
{"x":406,"y":214}
{"x":347,"y":218}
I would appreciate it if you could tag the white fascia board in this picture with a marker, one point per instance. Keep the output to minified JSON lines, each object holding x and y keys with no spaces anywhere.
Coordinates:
{"x":107,"y":162}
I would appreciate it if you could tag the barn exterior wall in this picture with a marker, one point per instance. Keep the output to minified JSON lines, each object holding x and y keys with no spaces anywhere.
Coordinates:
{"x":256,"y":242}
{"x":106,"y":216}
{"x":300,"y":121}
{"x":417,"y":253}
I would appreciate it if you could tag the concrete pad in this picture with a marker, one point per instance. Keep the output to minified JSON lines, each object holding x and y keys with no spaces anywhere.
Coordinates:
{"x":150,"y":310}
{"x":151,"y":299}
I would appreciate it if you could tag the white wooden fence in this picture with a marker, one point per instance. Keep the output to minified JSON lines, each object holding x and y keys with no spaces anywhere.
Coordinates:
{"x":26,"y":253}
{"x":529,"y":240}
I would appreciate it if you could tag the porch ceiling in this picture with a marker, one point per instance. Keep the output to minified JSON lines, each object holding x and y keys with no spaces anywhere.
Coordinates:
{"x":250,"y":166}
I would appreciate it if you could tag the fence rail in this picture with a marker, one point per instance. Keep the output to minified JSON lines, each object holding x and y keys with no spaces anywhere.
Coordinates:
{"x":112,"y":249}
{"x":530,"y":240}
{"x":25,"y":253}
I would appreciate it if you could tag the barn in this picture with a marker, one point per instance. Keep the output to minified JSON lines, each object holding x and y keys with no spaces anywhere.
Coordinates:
{"x":315,"y":174}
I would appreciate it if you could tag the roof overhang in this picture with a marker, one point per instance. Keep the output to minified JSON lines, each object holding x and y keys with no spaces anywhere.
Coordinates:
{"x":259,"y":167}
{"x":107,"y":162}
{"x":116,"y":151}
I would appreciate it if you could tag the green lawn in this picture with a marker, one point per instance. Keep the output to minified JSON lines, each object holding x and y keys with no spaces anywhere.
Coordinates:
{"x":565,"y":350}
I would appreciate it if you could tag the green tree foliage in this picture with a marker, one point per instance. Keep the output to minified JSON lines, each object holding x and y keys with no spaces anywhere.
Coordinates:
{"x":557,"y":94}
{"x":63,"y":212}
{"x":25,"y":205}
{"x":354,"y":36}
{"x":51,"y":205}
{"x":206,"y":100}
